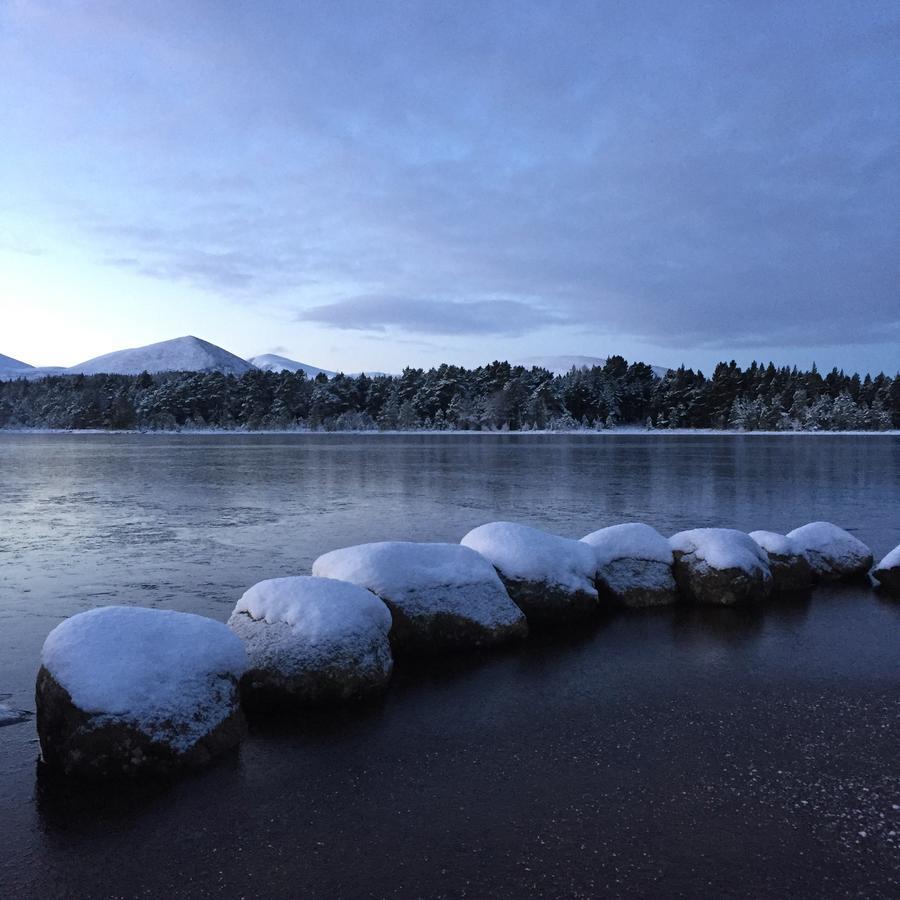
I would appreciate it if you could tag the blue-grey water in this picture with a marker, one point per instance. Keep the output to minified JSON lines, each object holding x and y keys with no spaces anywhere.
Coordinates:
{"x":680,"y":752}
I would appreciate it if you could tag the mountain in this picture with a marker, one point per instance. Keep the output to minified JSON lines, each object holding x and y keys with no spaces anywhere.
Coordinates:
{"x":13,"y":368}
{"x":270,"y":362}
{"x":560,"y":365}
{"x":184,"y":354}
{"x":7,"y":362}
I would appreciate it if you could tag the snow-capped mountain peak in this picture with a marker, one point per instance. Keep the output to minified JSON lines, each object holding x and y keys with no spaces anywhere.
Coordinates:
{"x":183,"y":354}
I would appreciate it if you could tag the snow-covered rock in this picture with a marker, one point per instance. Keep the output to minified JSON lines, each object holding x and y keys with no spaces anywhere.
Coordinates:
{"x":788,"y":563}
{"x":634,"y":565}
{"x":128,"y":691}
{"x":887,"y":572}
{"x":720,"y":566}
{"x":441,"y":596}
{"x":832,"y":552}
{"x":312,"y":640}
{"x":551,"y":578}
{"x":184,"y":354}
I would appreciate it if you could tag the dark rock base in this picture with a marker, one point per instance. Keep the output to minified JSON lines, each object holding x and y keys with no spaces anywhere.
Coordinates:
{"x":263,"y":688}
{"x":545,"y":605}
{"x":637,"y":583}
{"x":826,"y":569}
{"x":889,"y":579}
{"x":700,"y":583}
{"x":447,"y":632}
{"x":74,"y":743}
{"x":790,"y":574}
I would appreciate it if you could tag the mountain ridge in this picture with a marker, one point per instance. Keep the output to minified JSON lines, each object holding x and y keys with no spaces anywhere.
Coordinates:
{"x":192,"y":354}
{"x":272,"y":362}
{"x":7,"y":362}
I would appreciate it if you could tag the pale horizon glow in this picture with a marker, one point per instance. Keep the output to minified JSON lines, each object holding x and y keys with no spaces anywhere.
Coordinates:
{"x":364,"y":188}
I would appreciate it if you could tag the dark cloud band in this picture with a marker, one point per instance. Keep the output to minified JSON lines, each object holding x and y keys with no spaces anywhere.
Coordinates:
{"x":435,"y":317}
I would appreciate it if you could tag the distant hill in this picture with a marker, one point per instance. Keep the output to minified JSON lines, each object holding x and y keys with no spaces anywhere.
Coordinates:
{"x":559,"y":365}
{"x":271,"y":362}
{"x":7,"y":362}
{"x":13,"y":368}
{"x":184,"y":354}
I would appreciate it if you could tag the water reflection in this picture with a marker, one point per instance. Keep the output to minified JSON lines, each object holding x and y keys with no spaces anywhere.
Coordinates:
{"x":645,"y":738}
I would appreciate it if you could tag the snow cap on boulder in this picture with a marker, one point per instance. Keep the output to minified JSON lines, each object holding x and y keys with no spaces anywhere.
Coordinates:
{"x":126,"y":691}
{"x":312,"y":640}
{"x":887,"y":572}
{"x":832,"y":552}
{"x":631,"y":540}
{"x":551,"y":578}
{"x":634,"y":565}
{"x":441,"y":596}
{"x":720,"y":566}
{"x":790,"y":568}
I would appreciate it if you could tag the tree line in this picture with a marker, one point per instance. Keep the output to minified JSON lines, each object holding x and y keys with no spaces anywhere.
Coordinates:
{"x":494,"y":397}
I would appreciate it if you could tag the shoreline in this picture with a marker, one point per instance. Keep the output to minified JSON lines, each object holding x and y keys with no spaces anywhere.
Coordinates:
{"x":624,"y":431}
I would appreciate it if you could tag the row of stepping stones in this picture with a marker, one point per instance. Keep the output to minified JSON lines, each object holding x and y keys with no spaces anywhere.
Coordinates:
{"x":129,"y":691}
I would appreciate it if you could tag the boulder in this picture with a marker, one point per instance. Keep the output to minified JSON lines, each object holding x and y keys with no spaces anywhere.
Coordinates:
{"x":441,"y":596}
{"x":887,"y":572}
{"x":634,"y":565}
{"x":790,"y":568}
{"x":551,"y":578}
{"x":832,"y":552}
{"x":312,"y":640}
{"x":129,"y":691}
{"x":720,"y":566}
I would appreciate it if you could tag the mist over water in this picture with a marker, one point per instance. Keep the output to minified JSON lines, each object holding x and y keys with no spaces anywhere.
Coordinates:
{"x":679,"y":751}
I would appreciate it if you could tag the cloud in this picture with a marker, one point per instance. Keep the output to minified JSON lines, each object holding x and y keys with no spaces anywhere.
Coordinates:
{"x":437,"y":317}
{"x":695,"y":176}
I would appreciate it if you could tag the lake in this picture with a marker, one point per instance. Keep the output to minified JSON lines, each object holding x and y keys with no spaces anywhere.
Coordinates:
{"x":676,"y":752}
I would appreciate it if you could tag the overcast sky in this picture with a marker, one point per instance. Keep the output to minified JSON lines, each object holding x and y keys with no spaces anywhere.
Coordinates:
{"x":370,"y":184}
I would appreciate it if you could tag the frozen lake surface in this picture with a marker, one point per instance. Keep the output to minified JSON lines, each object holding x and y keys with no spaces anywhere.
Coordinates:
{"x":671,"y":753}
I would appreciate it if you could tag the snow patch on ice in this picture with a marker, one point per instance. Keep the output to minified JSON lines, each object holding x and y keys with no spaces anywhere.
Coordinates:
{"x":10,"y":716}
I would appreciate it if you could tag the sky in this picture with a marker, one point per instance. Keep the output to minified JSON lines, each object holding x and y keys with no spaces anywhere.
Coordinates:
{"x":365,"y":185}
